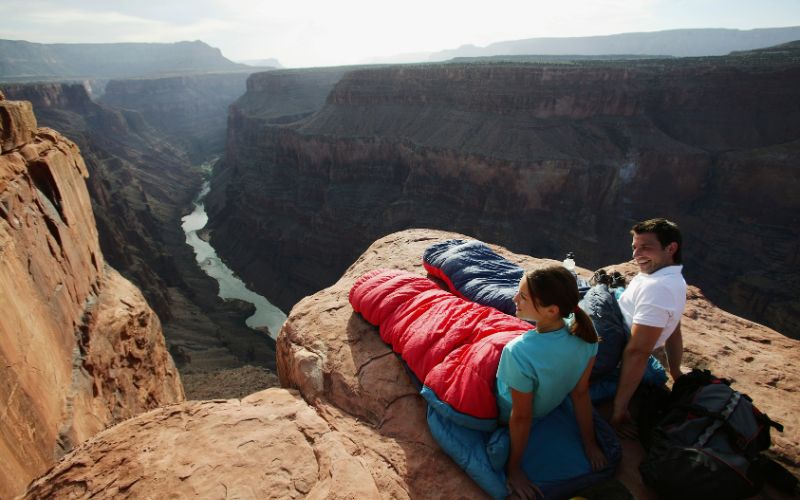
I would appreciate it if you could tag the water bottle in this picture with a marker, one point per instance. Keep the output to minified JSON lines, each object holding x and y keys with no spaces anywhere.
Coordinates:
{"x":569,"y":262}
{"x":569,"y":265}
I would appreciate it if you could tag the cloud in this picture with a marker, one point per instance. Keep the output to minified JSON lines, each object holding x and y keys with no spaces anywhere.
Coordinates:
{"x":73,"y":25}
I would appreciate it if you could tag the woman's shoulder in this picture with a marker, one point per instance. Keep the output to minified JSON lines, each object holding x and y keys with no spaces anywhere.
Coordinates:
{"x":525,"y":347}
{"x":519,"y":341}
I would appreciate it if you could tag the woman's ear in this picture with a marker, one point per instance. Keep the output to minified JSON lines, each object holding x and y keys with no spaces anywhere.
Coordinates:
{"x":553,"y":311}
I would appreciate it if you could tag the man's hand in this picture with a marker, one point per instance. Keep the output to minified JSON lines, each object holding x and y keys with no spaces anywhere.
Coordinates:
{"x":520,"y":486}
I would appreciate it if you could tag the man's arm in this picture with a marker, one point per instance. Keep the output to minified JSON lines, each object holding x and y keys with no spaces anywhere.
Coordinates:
{"x":674,"y":351}
{"x":634,"y":361}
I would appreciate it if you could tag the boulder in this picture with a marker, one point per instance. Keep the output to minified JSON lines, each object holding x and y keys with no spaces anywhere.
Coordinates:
{"x":332,"y":355}
{"x":17,"y":124}
{"x":270,"y":444}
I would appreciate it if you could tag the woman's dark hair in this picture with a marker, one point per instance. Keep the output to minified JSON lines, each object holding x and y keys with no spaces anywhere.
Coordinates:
{"x":556,"y":286}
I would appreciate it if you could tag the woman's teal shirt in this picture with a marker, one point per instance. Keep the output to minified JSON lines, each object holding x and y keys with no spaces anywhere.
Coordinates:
{"x":546,"y":364}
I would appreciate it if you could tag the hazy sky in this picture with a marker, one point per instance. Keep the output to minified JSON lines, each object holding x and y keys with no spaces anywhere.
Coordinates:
{"x":327,"y":32}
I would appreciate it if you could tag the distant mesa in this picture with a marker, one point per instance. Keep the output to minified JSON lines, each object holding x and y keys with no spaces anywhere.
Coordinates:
{"x":263,"y":63}
{"x":27,"y":61}
{"x":675,"y":43}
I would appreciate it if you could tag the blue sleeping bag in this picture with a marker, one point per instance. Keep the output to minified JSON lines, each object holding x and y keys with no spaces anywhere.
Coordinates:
{"x":475,"y":272}
{"x":554,"y":458}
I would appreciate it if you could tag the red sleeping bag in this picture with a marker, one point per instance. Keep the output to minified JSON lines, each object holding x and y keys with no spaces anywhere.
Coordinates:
{"x":450,"y":344}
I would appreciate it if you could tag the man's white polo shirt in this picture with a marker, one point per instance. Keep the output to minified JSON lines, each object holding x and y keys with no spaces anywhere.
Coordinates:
{"x":655,"y":299}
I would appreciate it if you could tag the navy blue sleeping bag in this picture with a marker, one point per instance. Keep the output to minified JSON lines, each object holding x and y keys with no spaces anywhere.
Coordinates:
{"x":475,"y":272}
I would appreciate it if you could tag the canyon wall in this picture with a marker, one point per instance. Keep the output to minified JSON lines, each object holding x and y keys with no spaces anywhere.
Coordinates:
{"x":190,"y":112}
{"x":81,"y":349}
{"x":543,"y":159}
{"x":141,"y":184}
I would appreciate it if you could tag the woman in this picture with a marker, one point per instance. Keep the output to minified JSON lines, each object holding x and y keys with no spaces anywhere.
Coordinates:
{"x":538,"y":369}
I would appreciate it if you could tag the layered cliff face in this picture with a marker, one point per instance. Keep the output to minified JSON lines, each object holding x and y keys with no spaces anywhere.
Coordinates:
{"x":286,"y":96}
{"x":81,"y":349}
{"x":139,"y":182}
{"x":355,"y":427}
{"x":140,"y":186}
{"x":189,"y":111}
{"x":543,"y":159}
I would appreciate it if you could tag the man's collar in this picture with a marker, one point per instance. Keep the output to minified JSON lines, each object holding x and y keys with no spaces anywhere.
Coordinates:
{"x":668,"y":270}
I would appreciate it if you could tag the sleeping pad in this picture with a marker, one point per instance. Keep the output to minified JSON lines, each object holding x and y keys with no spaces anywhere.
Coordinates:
{"x":474,"y":271}
{"x":453,"y":347}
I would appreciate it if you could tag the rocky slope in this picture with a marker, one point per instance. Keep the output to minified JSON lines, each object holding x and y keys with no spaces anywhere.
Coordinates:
{"x":543,"y":159}
{"x":355,"y":427}
{"x":140,"y":186}
{"x":81,"y":349}
{"x":190,"y":112}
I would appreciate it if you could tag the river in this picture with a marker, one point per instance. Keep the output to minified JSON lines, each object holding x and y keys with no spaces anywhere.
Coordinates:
{"x":230,"y":286}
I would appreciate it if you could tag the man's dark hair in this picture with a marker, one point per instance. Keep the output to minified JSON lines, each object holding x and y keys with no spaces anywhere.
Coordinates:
{"x":666,"y":232}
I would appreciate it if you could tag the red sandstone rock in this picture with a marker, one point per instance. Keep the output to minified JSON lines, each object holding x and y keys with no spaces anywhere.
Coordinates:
{"x":333,"y":356}
{"x":17,"y":124}
{"x":362,"y":433}
{"x":79,"y":347}
{"x":268,"y":445}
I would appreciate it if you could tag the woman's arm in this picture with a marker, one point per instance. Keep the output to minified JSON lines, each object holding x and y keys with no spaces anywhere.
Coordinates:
{"x":583,"y":413}
{"x":519,"y":429}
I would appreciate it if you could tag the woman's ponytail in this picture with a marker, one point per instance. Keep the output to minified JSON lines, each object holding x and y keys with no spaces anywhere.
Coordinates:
{"x":583,"y":327}
{"x":555,"y":285}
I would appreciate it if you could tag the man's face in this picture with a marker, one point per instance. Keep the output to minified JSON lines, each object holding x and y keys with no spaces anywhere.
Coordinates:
{"x":649,"y":254}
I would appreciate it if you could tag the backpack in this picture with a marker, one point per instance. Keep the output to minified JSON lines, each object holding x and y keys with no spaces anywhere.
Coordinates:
{"x":708,"y":443}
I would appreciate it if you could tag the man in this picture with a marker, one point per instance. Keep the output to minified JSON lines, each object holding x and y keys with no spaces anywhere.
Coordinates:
{"x":652,"y":307}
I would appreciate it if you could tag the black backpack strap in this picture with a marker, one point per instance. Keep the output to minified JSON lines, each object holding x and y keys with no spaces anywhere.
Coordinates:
{"x":777,"y":425}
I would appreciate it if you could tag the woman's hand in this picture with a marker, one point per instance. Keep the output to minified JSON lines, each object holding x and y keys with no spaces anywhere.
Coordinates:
{"x":623,"y":424}
{"x":596,"y":457}
{"x":520,"y":486}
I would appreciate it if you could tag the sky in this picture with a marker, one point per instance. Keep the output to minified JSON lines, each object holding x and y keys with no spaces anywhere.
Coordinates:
{"x":305,"y":33}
